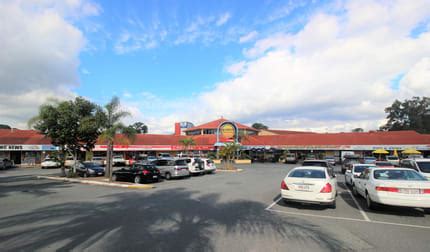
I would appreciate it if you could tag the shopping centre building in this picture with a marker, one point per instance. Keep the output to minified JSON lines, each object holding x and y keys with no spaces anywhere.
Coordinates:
{"x":30,"y":147}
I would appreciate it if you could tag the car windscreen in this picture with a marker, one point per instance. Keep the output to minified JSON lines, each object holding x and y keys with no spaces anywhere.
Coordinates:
{"x":398,"y":175}
{"x":181,"y":162}
{"x":392,"y":158}
{"x":149,"y":167}
{"x":90,"y":165}
{"x":304,"y":173}
{"x":424,"y":166}
{"x":384,"y":164}
{"x":361,"y":168}
{"x":314,"y":163}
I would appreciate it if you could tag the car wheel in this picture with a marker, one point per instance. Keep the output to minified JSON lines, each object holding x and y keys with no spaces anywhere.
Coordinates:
{"x":354,"y":190}
{"x":137,"y":179}
{"x":427,"y":210}
{"x":168,"y":176}
{"x":114,"y":177}
{"x":369,"y":202}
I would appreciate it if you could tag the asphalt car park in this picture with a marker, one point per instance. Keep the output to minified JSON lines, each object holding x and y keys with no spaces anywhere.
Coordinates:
{"x":217,"y":212}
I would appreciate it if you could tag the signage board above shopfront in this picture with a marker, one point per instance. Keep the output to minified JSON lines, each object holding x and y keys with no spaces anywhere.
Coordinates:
{"x":27,"y":147}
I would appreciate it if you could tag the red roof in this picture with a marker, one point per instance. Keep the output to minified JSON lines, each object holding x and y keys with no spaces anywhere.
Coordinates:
{"x":216,"y":123}
{"x":15,"y":136}
{"x":287,"y":132}
{"x":352,"y":138}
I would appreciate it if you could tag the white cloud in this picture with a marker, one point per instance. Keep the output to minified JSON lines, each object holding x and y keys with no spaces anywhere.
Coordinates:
{"x":236,"y":68}
{"x":223,"y":19}
{"x":334,"y":74}
{"x":40,"y":54}
{"x":248,"y":37}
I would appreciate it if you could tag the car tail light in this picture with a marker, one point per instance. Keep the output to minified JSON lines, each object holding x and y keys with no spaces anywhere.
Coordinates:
{"x":426,"y":190}
{"x":327,"y":188}
{"x":145,"y":172}
{"x":284,"y":186}
{"x":386,"y":189}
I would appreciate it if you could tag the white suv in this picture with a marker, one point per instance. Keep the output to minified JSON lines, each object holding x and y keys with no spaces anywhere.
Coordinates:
{"x":196,"y":166}
{"x":421,"y":165}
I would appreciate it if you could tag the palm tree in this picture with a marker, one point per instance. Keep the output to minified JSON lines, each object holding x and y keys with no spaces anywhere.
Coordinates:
{"x":111,"y":121}
{"x":228,"y":152}
{"x":187,"y":143}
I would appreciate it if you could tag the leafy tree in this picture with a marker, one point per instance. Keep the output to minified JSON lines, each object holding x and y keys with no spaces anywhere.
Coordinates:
{"x":71,"y":125}
{"x":228,"y":152}
{"x":139,"y":127}
{"x":4,"y":126}
{"x":259,"y":126}
{"x":357,"y":130}
{"x":187,"y":143}
{"x":413,"y":114}
{"x":111,"y":125}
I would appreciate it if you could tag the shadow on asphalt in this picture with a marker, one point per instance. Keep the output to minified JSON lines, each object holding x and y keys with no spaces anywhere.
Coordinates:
{"x":29,"y":184}
{"x":381,"y":209}
{"x":169,"y":220}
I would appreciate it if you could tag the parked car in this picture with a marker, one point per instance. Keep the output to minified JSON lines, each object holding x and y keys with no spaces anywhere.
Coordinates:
{"x":355,"y":171}
{"x":118,"y":160}
{"x":90,"y":169}
{"x":384,"y":164}
{"x":209,"y":165}
{"x":99,"y":160}
{"x":310,"y":185}
{"x":6,"y":164}
{"x":369,"y":160}
{"x":320,"y":163}
{"x":394,"y":160}
{"x":291,"y":158}
{"x":70,"y":161}
{"x":50,"y":163}
{"x":331,"y":160}
{"x":170,"y":168}
{"x":393,"y":186}
{"x":348,"y":162}
{"x":196,"y":166}
{"x":138,"y":173}
{"x":164,"y":155}
{"x":420,"y":165}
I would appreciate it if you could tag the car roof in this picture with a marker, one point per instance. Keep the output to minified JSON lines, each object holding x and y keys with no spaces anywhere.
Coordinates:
{"x":309,"y":168}
{"x":393,"y":169}
{"x":367,"y":165}
{"x":420,"y":159}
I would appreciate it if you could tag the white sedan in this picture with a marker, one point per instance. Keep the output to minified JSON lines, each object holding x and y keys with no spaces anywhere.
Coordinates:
{"x":310,"y":185}
{"x":393,"y":186}
{"x":50,"y":163}
{"x":355,"y":171}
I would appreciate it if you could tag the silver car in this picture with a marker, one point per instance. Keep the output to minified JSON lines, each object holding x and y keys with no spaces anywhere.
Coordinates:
{"x":170,"y":168}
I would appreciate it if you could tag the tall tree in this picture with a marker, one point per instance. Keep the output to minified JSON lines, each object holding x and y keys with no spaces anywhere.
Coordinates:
{"x":111,"y":125}
{"x":139,"y":127}
{"x":413,"y":114}
{"x":259,"y":126}
{"x":187,"y":143}
{"x":357,"y":130}
{"x":4,"y":126}
{"x":71,"y":125}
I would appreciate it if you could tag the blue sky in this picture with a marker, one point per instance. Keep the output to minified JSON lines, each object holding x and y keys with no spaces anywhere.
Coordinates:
{"x":175,"y":48}
{"x":324,"y":66}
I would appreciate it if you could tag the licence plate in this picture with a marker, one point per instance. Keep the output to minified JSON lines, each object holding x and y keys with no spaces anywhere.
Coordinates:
{"x":100,"y":173}
{"x":303,"y":188}
{"x":410,"y":191}
{"x":154,"y":176}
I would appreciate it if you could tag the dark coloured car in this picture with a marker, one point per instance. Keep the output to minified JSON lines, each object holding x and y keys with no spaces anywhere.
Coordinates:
{"x":6,"y":164}
{"x":348,"y":162}
{"x":90,"y":169}
{"x":137,"y":173}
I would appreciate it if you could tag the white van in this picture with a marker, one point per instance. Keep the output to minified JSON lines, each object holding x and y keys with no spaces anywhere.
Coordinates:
{"x":195,"y":165}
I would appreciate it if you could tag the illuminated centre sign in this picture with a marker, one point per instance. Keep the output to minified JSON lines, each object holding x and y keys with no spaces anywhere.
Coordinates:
{"x":227,"y":132}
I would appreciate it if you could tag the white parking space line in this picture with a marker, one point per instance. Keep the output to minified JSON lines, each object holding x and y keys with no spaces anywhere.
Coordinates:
{"x":349,"y":219}
{"x":366,"y":218}
{"x":274,"y":203}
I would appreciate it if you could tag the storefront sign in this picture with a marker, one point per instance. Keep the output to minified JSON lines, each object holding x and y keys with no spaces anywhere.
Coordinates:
{"x":151,"y":147}
{"x":26,"y":147}
{"x":227,"y":132}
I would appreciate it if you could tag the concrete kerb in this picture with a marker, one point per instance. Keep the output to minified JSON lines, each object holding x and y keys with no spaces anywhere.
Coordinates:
{"x":236,"y":170}
{"x":92,"y":182}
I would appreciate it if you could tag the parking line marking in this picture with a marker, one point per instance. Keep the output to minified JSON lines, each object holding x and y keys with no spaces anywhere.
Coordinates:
{"x":366,"y":218}
{"x":275,"y":202}
{"x":349,"y":219}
